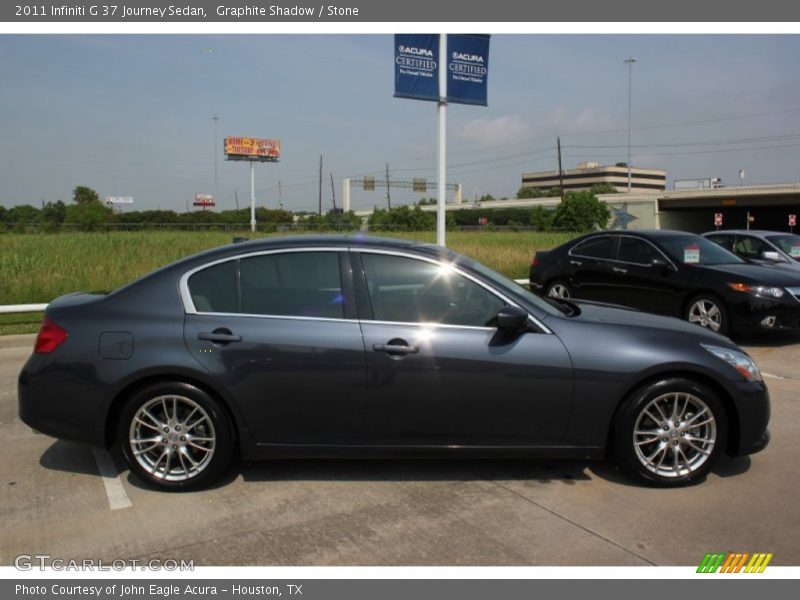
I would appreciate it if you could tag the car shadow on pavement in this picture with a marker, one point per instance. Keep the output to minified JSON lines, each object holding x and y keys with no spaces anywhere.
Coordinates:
{"x":774,"y":339}
{"x":69,"y":457}
{"x":542,"y":471}
{"x":78,"y":458}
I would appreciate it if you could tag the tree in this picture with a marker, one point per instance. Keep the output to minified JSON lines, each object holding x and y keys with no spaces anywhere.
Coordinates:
{"x":85,"y":195}
{"x":541,"y":218}
{"x":581,"y":211}
{"x":54,"y":212}
{"x":603,"y":188}
{"x":23,"y":213}
{"x":88,"y":214}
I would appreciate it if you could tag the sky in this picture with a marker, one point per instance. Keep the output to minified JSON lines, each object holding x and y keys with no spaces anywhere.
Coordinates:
{"x":132,"y":115}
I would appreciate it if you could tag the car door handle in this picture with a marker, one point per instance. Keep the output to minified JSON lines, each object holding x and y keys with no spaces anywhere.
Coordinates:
{"x":219,"y":337}
{"x":620,"y":270}
{"x":577,"y":263}
{"x":395,"y":349}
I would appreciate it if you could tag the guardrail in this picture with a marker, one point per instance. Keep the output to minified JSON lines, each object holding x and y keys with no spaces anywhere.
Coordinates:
{"x":23,"y":308}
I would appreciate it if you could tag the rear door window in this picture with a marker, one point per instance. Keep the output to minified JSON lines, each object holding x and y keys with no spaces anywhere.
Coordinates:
{"x":297,"y":284}
{"x":603,"y":247}
{"x":214,"y":289}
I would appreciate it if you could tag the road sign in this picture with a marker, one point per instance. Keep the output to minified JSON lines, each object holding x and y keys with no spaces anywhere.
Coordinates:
{"x":718,"y":219}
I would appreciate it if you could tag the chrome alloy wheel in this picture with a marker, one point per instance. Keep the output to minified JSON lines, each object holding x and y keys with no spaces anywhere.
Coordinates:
{"x":172,"y":438}
{"x":706,"y":313}
{"x":558,"y":290}
{"x":674,"y":434}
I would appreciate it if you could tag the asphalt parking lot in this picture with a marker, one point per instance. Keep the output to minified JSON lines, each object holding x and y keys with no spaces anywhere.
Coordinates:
{"x":54,"y":500}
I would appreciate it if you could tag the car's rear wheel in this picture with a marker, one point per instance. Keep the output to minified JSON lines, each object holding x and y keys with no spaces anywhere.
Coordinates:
{"x":670,"y":433}
{"x":175,"y":436}
{"x":708,"y":311}
{"x":558,"y":289}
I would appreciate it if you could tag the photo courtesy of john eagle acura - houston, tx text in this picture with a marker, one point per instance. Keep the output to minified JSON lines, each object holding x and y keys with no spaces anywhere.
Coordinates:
{"x":336,"y":346}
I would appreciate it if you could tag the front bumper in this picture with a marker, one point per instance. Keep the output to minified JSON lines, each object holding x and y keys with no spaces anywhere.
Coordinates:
{"x":755,"y":313}
{"x":752,"y":405}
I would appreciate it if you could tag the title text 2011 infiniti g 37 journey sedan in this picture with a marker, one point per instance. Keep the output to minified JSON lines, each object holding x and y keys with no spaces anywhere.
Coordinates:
{"x":335,"y":346}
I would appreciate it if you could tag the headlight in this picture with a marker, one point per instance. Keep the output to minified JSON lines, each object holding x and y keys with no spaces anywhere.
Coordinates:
{"x":758,"y":290}
{"x":738,"y":360}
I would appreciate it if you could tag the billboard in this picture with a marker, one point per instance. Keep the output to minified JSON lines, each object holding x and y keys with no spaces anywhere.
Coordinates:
{"x":117,"y":200}
{"x":204,"y":200}
{"x":255,"y":149}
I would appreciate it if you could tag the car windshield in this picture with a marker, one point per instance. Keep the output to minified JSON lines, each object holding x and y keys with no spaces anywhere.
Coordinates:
{"x":696,"y":250}
{"x":509,"y":285}
{"x":790,"y":244}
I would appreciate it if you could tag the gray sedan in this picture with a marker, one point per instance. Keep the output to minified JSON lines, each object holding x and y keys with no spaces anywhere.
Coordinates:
{"x":769,"y":248}
{"x":354,"y":346}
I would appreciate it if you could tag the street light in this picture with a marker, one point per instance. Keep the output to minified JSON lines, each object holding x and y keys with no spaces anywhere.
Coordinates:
{"x":629,"y":61}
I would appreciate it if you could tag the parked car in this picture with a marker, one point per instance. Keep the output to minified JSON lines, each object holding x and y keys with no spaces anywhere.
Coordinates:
{"x":351,"y":346}
{"x":671,"y":273}
{"x":767,"y":248}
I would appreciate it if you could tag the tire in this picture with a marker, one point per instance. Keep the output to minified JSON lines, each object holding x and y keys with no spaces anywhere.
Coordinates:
{"x":708,"y":311}
{"x":558,"y":288}
{"x":165,"y":412}
{"x":646,"y":439}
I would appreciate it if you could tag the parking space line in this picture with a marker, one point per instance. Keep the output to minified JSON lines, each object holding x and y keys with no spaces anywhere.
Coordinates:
{"x":771,"y":376}
{"x":117,"y":497}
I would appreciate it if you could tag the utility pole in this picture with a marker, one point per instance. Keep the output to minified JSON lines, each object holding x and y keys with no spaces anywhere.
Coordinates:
{"x":280,"y":195}
{"x":236,"y":198}
{"x":629,"y":61}
{"x":388,"y":195}
{"x":560,"y":170}
{"x":320,"y":185}
{"x":216,"y":188}
{"x":333,"y":192}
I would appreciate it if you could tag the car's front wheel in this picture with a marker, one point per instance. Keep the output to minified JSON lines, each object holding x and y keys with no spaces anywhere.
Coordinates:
{"x":175,"y":436}
{"x":708,"y":311}
{"x":670,"y":433}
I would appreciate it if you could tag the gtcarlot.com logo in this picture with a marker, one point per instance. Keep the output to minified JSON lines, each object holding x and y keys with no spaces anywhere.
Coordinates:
{"x":734,"y":562}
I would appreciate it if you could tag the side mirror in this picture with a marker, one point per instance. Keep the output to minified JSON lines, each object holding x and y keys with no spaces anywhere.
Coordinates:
{"x":512,"y":319}
{"x":771,"y":255}
{"x":660,"y":263}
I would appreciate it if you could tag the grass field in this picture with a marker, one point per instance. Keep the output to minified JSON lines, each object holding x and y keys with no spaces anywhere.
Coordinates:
{"x":35,"y":268}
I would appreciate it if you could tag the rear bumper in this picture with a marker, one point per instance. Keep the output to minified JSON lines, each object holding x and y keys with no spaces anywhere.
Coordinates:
{"x":58,"y":406}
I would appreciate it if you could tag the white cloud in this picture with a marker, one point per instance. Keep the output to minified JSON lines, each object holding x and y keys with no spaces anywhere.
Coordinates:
{"x":497,"y":130}
{"x":585,"y":120}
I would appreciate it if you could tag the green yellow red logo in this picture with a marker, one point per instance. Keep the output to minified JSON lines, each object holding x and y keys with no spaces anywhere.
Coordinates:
{"x":734,"y":562}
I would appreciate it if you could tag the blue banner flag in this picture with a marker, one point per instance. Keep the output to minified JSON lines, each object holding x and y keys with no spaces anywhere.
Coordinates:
{"x":416,"y":66}
{"x":467,"y":68}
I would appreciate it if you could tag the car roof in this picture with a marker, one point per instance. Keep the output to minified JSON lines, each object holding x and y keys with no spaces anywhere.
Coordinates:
{"x":754,"y":232}
{"x":643,"y":233}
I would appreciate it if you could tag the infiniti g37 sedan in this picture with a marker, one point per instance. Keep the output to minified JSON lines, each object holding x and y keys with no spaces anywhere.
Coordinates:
{"x":671,"y":273}
{"x":338,"y":347}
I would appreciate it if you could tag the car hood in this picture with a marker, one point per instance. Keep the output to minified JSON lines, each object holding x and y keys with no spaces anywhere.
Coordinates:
{"x":749,"y":273}
{"x":613,"y":315}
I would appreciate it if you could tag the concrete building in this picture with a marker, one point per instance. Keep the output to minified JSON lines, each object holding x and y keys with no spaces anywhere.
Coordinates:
{"x":588,"y":174}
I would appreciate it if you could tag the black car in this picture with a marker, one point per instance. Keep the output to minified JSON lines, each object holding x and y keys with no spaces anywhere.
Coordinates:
{"x":670,"y":273}
{"x":337,"y":346}
{"x":767,"y":248}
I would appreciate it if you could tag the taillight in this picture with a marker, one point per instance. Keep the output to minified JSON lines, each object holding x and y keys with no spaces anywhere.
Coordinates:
{"x":535,"y":260}
{"x":50,"y":337}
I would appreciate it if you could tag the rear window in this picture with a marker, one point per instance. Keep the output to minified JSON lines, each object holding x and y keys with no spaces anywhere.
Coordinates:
{"x":214,"y":289}
{"x":597,"y":247}
{"x":296,"y":284}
